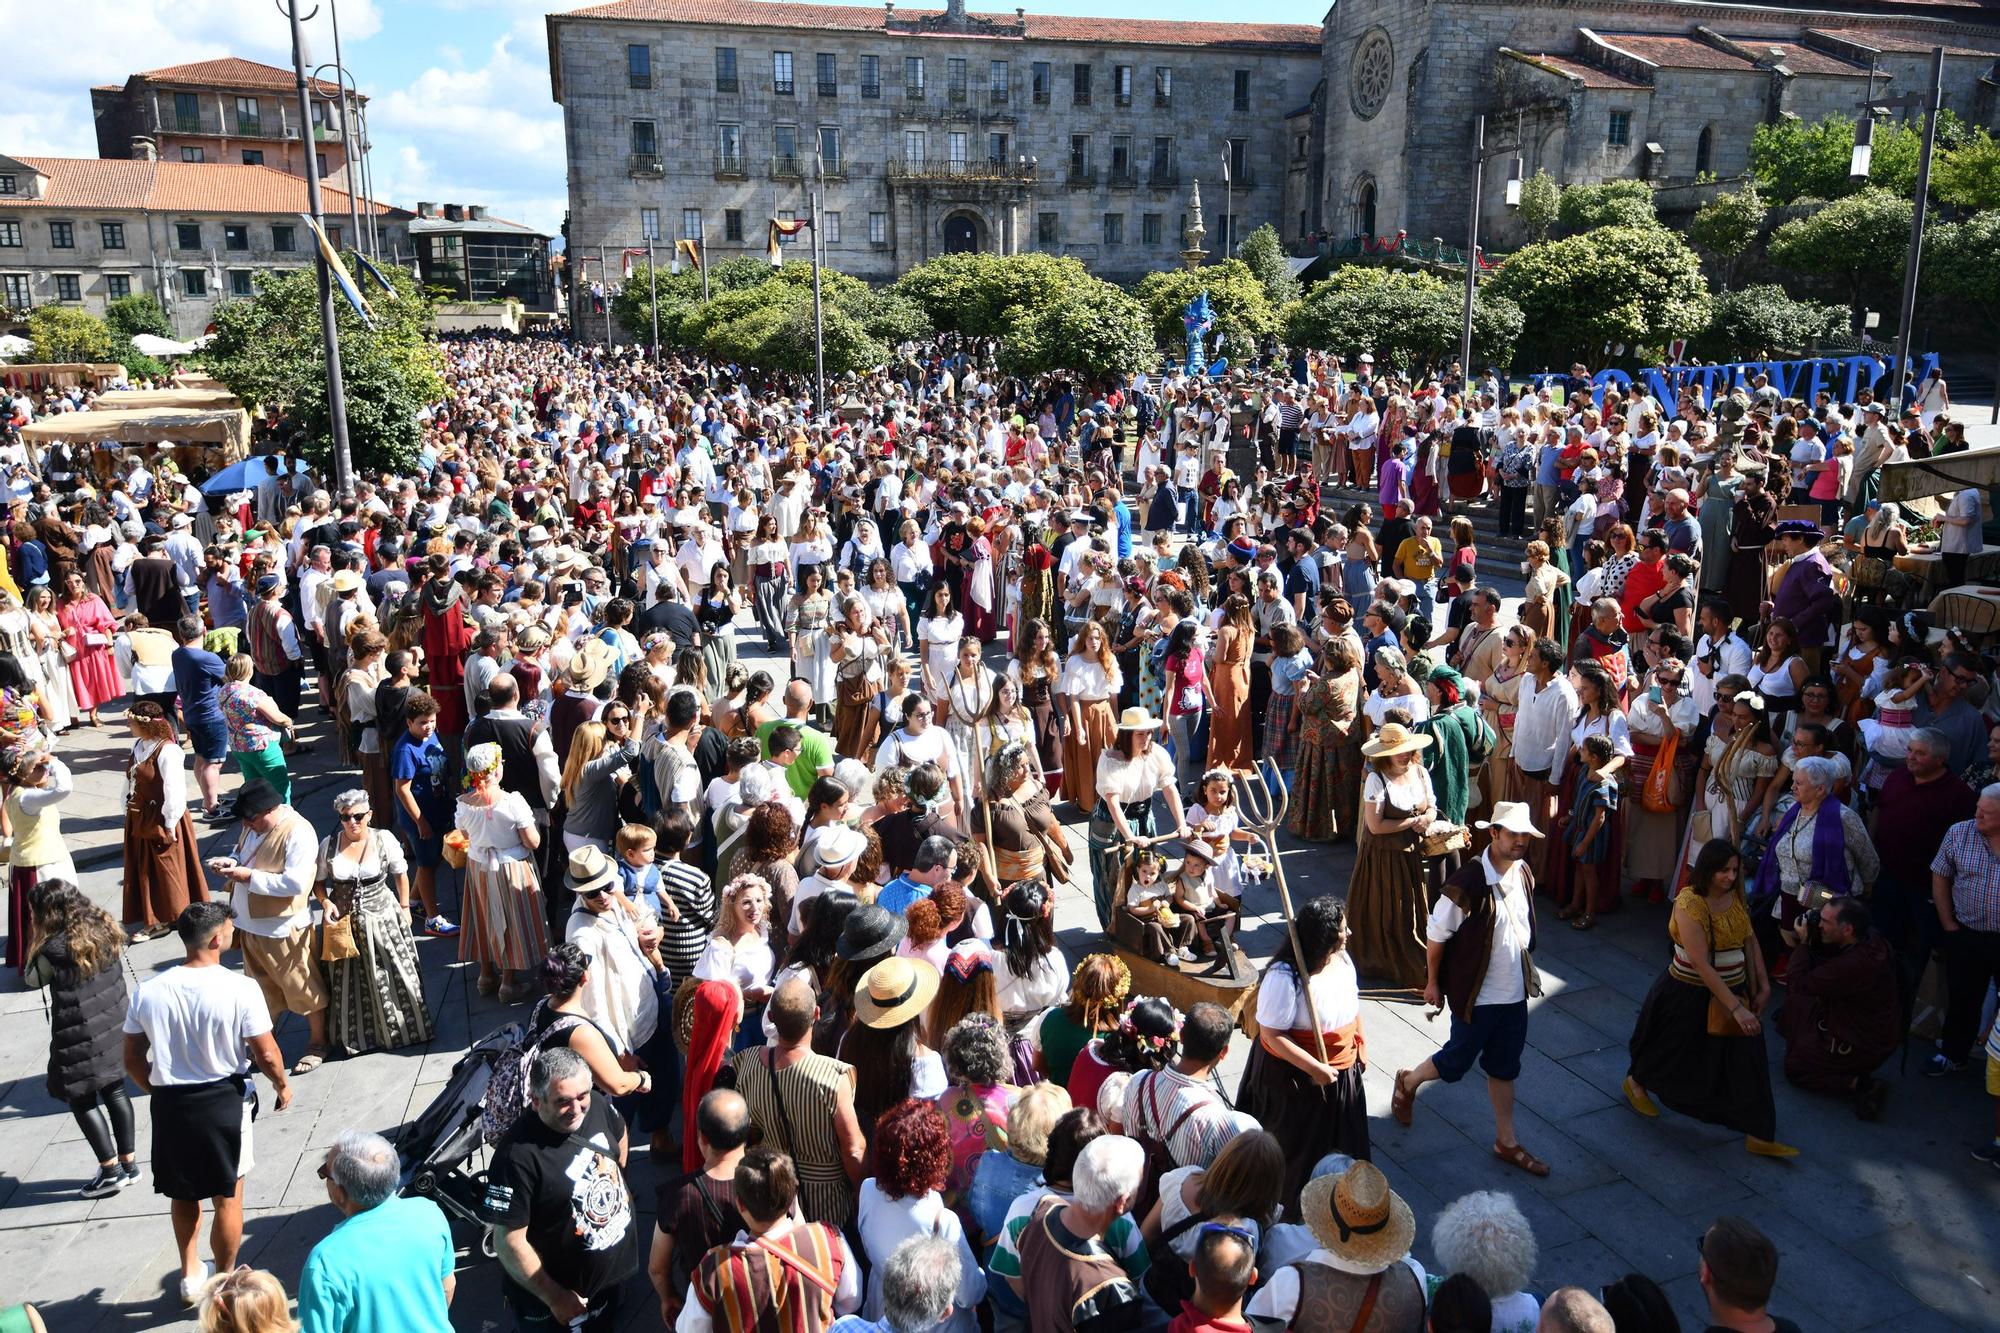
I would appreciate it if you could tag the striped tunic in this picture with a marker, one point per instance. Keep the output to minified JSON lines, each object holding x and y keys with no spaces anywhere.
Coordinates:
{"x":682,"y":941}
{"x":752,"y":1289}
{"x":805,"y":1128}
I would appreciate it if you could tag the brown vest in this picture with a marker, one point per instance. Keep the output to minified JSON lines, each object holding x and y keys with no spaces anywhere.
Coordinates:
{"x":1330,"y":1301}
{"x":270,"y":856}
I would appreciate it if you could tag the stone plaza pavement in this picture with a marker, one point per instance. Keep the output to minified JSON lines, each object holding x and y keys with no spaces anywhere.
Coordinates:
{"x":1882,"y":1226}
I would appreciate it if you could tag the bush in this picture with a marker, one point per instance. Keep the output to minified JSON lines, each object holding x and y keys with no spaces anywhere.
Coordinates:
{"x":1407,"y":320}
{"x":1757,"y":322}
{"x":974,"y":294}
{"x":1093,"y":328}
{"x":1264,"y":252}
{"x":1612,"y":204}
{"x":1639,"y":286}
{"x":1727,"y":225}
{"x":1244,"y":315}
{"x":1857,"y":244}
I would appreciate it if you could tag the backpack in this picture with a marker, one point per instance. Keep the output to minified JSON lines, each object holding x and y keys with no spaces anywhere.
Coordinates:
{"x":507,"y":1093}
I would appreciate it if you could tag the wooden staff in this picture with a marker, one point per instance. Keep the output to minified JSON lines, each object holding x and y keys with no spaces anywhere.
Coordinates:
{"x":1263,"y":814}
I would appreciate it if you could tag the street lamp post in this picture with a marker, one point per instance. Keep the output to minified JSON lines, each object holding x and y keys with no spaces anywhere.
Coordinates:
{"x":1481,"y":155}
{"x":336,"y":387}
{"x":1928,"y":100}
{"x":342,"y":82}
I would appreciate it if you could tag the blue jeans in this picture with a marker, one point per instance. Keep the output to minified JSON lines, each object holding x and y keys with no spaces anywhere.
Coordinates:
{"x":1496,"y":1037}
{"x":1189,"y":733}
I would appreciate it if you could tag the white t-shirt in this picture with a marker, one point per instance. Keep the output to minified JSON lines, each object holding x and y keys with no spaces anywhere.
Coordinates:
{"x":198,"y":1020}
{"x":1962,"y":540}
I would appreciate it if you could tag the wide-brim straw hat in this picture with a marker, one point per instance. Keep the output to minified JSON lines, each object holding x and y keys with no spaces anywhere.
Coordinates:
{"x":1512,"y":816}
{"x":1358,"y":1217}
{"x":894,"y":991}
{"x":590,"y":870}
{"x":1394,"y":738}
{"x":1138,"y":718}
{"x":590,"y":664}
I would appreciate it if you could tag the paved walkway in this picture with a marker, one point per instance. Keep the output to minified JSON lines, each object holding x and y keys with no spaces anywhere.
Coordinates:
{"x":1882,"y":1226}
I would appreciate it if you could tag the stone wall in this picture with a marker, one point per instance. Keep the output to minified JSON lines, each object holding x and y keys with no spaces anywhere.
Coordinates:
{"x":607,"y":189}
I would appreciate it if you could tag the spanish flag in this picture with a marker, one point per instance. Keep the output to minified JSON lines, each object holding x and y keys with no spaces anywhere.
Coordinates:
{"x":690,"y":248}
{"x":780,"y":230}
{"x":339,"y":271}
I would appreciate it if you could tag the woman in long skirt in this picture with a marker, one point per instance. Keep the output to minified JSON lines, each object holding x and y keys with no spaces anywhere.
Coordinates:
{"x":1679,"y":1058}
{"x":1386,"y":900}
{"x":770,"y":576}
{"x":87,"y":629}
{"x":1034,"y":671}
{"x":1090,"y":681}
{"x":809,"y":615}
{"x":375,"y":994}
{"x":1229,"y":728}
{"x":1326,"y":794}
{"x":982,"y":584}
{"x":716,"y":613}
{"x":503,"y":916}
{"x":58,"y":699}
{"x":1278,"y":1086}
{"x":163,"y":871}
{"x":857,"y":644}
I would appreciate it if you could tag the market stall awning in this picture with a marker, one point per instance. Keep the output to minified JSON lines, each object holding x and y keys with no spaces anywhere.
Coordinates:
{"x":1944,"y":474}
{"x":227,"y":428}
{"x":147,"y":400}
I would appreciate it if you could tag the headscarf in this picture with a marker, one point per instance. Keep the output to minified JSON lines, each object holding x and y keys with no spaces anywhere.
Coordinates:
{"x":718,"y":1008}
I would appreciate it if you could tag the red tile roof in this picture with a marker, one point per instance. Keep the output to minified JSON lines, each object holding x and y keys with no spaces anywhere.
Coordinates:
{"x":174,"y":187}
{"x":235,"y":72}
{"x":1882,"y":41}
{"x":1800,"y":59}
{"x":1041,"y":27}
{"x":1592,"y":76}
{"x":1673,"y":52}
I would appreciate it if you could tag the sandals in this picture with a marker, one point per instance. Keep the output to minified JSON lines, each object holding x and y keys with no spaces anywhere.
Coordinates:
{"x":314,"y":1057}
{"x":149,"y":933}
{"x":1402,"y":1102}
{"x":1584,"y":922}
{"x":1517,"y":1156}
{"x":1565,"y":913}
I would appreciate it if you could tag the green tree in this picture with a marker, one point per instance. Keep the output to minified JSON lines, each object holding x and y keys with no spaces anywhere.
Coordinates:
{"x":1727,"y":225}
{"x":1541,"y":204}
{"x":974,"y":294}
{"x":63,"y":333}
{"x":1792,"y":160}
{"x":1640,"y":286}
{"x":1244,"y":315}
{"x":770,"y":325}
{"x":1265,"y":253}
{"x":267,"y":350}
{"x":632,"y":305}
{"x":1407,"y":320}
{"x":135,"y":314}
{"x":1611,"y":204}
{"x":1969,"y":175}
{"x":1763,"y":320}
{"x":1961,"y":270}
{"x":1092,"y":329}
{"x":1856,"y":245}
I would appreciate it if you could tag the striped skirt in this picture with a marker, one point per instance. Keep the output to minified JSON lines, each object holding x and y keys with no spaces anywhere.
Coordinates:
{"x":501,"y":923}
{"x":375,"y":1000}
{"x":1281,"y":738}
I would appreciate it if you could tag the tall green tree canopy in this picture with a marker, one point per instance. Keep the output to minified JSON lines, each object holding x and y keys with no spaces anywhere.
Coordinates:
{"x":1856,"y":245}
{"x":679,"y":293}
{"x":1092,"y":328}
{"x":1541,"y":204}
{"x":1727,"y":225}
{"x":974,"y":294}
{"x":63,"y":333}
{"x":268,"y":351}
{"x":138,"y":313}
{"x":1244,"y":315}
{"x":1764,"y":320}
{"x":770,"y":325}
{"x":1619,"y":203}
{"x":1639,"y":286}
{"x":1969,"y":175}
{"x":1961,"y":267}
{"x":1792,"y":160}
{"x":1408,"y":320}
{"x":1264,"y":252}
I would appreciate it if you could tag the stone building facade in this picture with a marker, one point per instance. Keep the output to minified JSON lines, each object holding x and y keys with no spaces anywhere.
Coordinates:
{"x":1598,"y":90}
{"x":227,"y":110}
{"x":84,"y":232}
{"x":939,"y":130}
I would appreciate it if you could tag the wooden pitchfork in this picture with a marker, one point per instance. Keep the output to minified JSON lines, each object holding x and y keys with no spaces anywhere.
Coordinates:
{"x":1263,"y":815}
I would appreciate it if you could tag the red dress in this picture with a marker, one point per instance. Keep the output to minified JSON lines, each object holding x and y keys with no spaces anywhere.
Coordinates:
{"x":446,"y":642}
{"x":87,"y":629}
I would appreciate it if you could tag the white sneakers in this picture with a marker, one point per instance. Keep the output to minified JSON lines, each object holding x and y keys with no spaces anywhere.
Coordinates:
{"x":191,"y":1286}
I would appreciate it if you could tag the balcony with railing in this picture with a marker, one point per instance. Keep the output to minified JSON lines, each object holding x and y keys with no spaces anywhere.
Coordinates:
{"x":828,"y":88}
{"x":1163,"y":177}
{"x":1163,"y":101}
{"x":251,"y":127}
{"x":996,"y":97}
{"x":1080,"y":175}
{"x":955,"y":169}
{"x":782,"y":87}
{"x":187,"y":124}
{"x":913,"y":92}
{"x":730,"y":165}
{"x":1122,"y":177}
{"x":726,"y":83}
{"x":646,"y":165}
{"x":786,"y":166}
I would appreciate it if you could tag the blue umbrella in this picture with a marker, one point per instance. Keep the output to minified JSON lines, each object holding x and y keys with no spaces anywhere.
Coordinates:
{"x":244,"y":476}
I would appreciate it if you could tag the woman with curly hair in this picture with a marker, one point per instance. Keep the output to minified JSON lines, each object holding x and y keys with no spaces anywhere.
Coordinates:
{"x":770,"y":851}
{"x":1097,"y":994}
{"x":73,"y":950}
{"x":904,"y":1198}
{"x":1484,"y":1236}
{"x":740,"y":951}
{"x":980,"y":1066}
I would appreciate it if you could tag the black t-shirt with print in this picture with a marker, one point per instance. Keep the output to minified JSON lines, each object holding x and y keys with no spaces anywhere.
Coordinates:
{"x":571,"y":1198}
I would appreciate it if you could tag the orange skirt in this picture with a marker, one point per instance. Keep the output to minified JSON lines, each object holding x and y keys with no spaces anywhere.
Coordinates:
{"x":1080,"y":751}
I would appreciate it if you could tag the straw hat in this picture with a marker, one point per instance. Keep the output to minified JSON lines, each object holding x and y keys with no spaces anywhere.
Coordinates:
{"x":1358,"y":1217}
{"x":347,"y":580}
{"x":839,"y":845}
{"x":1512,"y":816}
{"x":590,"y":665}
{"x":1394,"y":738}
{"x":894,"y":991}
{"x":590,"y":871}
{"x":1137,"y":718}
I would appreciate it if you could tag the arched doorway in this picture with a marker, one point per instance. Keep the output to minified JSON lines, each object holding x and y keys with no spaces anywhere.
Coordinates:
{"x":1704,"y":151}
{"x":1364,"y":207}
{"x":961,"y":234}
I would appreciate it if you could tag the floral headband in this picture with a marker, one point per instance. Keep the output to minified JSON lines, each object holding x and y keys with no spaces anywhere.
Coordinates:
{"x":1121,"y":986}
{"x":1158,"y":1042}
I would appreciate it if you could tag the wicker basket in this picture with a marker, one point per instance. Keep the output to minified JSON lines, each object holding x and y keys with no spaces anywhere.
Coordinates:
{"x":1441,"y":838}
{"x":454,"y":849}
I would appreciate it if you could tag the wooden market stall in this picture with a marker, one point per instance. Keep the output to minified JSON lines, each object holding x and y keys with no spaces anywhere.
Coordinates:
{"x":36,"y":376}
{"x":206,"y":438}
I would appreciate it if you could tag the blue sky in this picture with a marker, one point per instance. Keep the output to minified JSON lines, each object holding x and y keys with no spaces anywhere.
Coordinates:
{"x":459,"y":105}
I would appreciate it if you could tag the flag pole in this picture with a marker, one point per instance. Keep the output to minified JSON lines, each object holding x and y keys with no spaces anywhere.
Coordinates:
{"x":604,"y":280}
{"x":819,"y":325}
{"x":653,"y":282}
{"x":1228,"y":206}
{"x":336,"y":385}
{"x":701,"y":259}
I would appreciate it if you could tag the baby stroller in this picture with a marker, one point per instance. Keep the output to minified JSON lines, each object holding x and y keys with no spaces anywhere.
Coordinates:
{"x":437,"y":1147}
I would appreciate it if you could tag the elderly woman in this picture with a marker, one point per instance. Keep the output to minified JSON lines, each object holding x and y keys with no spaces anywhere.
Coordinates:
{"x":1820,"y":847}
{"x":1004,"y":1174}
{"x":375,"y":987}
{"x":980,"y":1065}
{"x":1484,"y":1236}
{"x":1461,"y":741}
{"x":87,"y":629}
{"x":1395,"y":688}
{"x":1014,"y":830}
{"x":504,"y":927}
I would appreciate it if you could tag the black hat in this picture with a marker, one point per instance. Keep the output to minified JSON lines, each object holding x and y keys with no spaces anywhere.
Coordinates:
{"x":870,"y":933}
{"x":256,"y":798}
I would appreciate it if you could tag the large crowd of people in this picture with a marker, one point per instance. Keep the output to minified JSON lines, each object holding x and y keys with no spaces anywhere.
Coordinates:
{"x":790,"y":927}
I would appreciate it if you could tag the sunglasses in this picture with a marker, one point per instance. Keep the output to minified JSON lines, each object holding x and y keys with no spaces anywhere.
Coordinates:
{"x":1207,"y":1228}
{"x":617,"y":717}
{"x":592,"y":893}
{"x":358,"y":817}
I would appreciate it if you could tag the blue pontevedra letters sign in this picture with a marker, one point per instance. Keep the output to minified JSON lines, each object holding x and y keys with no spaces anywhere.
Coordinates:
{"x":1840,"y":376}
